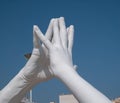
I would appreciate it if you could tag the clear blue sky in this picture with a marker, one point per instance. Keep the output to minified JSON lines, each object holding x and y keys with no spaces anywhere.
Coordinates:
{"x":96,"y":48}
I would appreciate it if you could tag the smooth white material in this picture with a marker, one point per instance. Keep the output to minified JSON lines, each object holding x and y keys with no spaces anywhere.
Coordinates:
{"x":51,"y":59}
{"x":60,"y":54}
{"x":35,"y":71}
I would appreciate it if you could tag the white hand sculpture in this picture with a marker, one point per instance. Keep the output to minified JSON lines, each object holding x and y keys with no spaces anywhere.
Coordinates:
{"x":54,"y":58}
{"x":37,"y":67}
{"x":36,"y":70}
{"x":60,"y":48}
{"x":60,"y":51}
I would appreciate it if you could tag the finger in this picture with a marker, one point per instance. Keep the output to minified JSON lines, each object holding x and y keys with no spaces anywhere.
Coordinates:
{"x":75,"y":67}
{"x":56,"y":36}
{"x":70,"y":38}
{"x":63,"y":32}
{"x":49,"y":31}
{"x":43,"y":39}
{"x":36,"y":43}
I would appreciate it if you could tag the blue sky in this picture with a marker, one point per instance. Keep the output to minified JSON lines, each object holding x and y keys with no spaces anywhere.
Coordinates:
{"x":96,"y":48}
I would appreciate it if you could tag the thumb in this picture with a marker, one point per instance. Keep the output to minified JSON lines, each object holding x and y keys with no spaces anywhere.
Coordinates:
{"x":75,"y":67}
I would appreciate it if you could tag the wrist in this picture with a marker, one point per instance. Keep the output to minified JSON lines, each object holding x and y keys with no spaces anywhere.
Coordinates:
{"x":80,"y":88}
{"x":15,"y":90}
{"x":64,"y":71}
{"x":23,"y":77}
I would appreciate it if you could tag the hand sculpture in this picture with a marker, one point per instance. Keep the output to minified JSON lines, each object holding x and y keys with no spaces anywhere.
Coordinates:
{"x":60,"y":48}
{"x":36,"y":70}
{"x":51,"y":59}
{"x":39,"y":68}
{"x":60,"y":51}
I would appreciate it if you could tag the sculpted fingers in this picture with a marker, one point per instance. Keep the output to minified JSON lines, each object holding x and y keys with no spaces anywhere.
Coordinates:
{"x":49,"y":31}
{"x":70,"y":38}
{"x":56,"y":34}
{"x":63,"y":32}
{"x":43,"y":39}
{"x":36,"y":43}
{"x":36,"y":46}
{"x":75,"y":67}
{"x":48,"y":34}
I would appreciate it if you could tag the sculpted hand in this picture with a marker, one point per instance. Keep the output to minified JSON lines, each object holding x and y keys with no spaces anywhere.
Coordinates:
{"x":60,"y":55}
{"x":60,"y":48}
{"x":52,"y":58}
{"x":35,"y":71}
{"x":46,"y":61}
{"x":37,"y":67}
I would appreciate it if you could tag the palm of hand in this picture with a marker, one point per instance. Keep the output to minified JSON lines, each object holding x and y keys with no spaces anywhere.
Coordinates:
{"x":60,"y":47}
{"x":37,"y":67}
{"x":43,"y":64}
{"x":59,"y":59}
